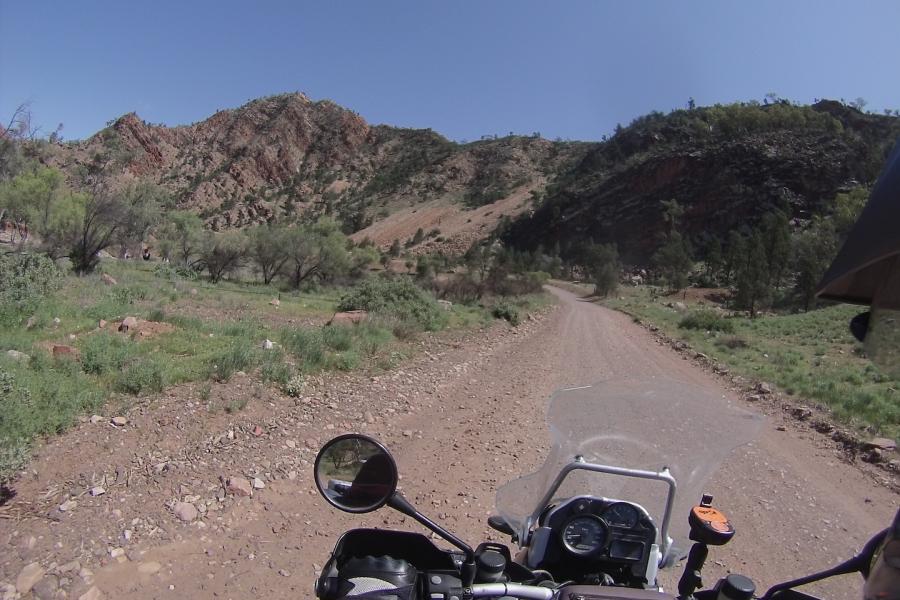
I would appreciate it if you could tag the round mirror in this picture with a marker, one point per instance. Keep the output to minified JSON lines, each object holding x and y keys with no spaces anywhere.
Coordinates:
{"x":355,"y":473}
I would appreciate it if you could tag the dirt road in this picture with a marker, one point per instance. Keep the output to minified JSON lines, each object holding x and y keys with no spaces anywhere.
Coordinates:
{"x":463,"y":417}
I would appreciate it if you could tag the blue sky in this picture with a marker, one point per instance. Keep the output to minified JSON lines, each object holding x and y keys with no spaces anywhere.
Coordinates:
{"x":572,"y":69}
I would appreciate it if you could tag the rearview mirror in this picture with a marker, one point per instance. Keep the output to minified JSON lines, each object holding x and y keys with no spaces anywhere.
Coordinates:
{"x":355,"y":473}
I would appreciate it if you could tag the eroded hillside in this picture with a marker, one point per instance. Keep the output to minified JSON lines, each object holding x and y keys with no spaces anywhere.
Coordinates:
{"x":283,"y":156}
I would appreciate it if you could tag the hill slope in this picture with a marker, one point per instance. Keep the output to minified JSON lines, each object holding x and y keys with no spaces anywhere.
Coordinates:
{"x":284,"y":156}
{"x":726,"y":165}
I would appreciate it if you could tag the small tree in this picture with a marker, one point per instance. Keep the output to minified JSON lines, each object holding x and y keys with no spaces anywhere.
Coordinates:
{"x":672,"y":213}
{"x":425,"y":271}
{"x":143,"y":203}
{"x":103,"y":217}
{"x":66,"y":220}
{"x":812,"y":251}
{"x":776,"y":234}
{"x":478,"y":260}
{"x":396,"y":248}
{"x":222,"y":253}
{"x":753,"y":277}
{"x":31,"y":197}
{"x":418,"y":237}
{"x":673,"y":260}
{"x":317,"y":251}
{"x":735,"y":255}
{"x":181,"y":236}
{"x":361,"y":258}
{"x":268,"y":249}
{"x":604,"y":268}
{"x":714,"y":260}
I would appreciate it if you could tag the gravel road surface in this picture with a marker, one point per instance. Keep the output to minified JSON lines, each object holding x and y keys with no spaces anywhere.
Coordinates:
{"x":463,"y":417}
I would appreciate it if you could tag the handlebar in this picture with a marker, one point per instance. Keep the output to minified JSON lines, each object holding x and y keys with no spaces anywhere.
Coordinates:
{"x":516,"y":590}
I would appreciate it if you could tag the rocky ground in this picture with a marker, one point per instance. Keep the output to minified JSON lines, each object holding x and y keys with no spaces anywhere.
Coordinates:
{"x":180,"y":497}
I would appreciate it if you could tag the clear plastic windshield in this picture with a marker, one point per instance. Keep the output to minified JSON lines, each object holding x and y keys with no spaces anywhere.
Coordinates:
{"x":647,"y":424}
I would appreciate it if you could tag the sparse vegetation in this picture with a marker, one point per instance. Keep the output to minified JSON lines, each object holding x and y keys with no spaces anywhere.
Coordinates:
{"x":507,"y":312}
{"x":397,"y":300}
{"x":204,"y":338}
{"x":25,"y":279}
{"x":706,"y":320}
{"x":808,"y":355}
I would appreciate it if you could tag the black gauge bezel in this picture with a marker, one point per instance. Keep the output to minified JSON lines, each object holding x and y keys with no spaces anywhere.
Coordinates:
{"x":630,"y":506}
{"x":598,"y":549}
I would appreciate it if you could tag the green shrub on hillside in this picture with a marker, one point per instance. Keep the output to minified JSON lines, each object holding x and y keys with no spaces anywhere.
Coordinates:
{"x":144,"y":375}
{"x":706,"y":320}
{"x":104,"y":353}
{"x":273,"y":367}
{"x":507,"y":311}
{"x":334,"y":347}
{"x":25,"y":280}
{"x":240,"y":356}
{"x":42,"y":398}
{"x":399,"y":299}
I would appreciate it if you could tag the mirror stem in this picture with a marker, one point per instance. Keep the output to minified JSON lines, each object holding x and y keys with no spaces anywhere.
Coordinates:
{"x":399,"y":503}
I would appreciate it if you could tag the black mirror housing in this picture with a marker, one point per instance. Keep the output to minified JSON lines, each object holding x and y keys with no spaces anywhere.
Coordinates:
{"x":355,"y":473}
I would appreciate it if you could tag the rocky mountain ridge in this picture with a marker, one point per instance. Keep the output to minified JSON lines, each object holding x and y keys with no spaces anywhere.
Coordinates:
{"x":286,"y":156}
{"x":727,"y":166}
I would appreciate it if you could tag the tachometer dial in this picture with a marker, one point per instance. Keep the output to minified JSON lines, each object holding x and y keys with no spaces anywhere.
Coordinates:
{"x":621,"y":514}
{"x":584,"y":535}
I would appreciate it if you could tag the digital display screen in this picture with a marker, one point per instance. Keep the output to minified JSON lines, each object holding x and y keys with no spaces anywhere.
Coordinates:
{"x":623,"y":550}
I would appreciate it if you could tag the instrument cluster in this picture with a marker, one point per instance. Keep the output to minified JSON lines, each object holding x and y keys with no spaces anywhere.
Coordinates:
{"x":603,"y":529}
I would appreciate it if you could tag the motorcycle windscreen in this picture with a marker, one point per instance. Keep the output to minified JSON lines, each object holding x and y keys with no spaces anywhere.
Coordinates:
{"x":647,"y":424}
{"x":882,"y":341}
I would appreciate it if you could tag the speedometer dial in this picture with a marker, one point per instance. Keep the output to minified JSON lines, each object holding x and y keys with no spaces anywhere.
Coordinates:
{"x":584,"y":535}
{"x":621,"y":514}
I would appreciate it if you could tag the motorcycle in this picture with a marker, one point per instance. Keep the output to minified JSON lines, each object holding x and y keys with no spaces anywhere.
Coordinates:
{"x":615,"y":501}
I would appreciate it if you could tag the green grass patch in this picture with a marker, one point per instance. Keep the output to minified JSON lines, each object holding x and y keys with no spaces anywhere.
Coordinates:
{"x":240,"y":355}
{"x":809,"y":355}
{"x":336,"y":347}
{"x":211,"y":339}
{"x":706,"y":320}
{"x":41,"y":397}
{"x":398,"y":300}
{"x":507,"y":311}
{"x":143,"y":376}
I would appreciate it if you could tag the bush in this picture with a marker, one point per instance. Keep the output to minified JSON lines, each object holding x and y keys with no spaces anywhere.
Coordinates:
{"x":174,"y":273}
{"x":127,"y":295}
{"x":732,"y":342}
{"x":501,"y":283}
{"x":507,"y":311}
{"x":42,"y":398}
{"x":306,"y":345}
{"x":274,"y":369}
{"x":239,"y":357}
{"x":294,"y":386}
{"x":142,"y":376}
{"x":25,"y":280}
{"x":104,"y":353}
{"x":459,"y":288}
{"x":334,"y":347}
{"x":338,"y":337}
{"x":400,"y":299}
{"x":706,"y":320}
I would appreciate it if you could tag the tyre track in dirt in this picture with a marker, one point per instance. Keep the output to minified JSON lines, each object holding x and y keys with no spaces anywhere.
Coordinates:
{"x":461,"y":419}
